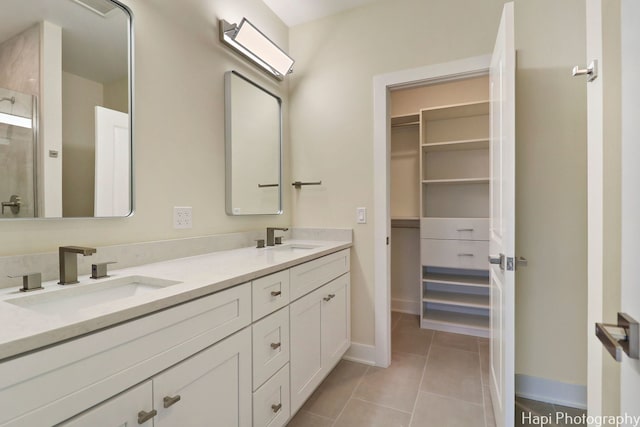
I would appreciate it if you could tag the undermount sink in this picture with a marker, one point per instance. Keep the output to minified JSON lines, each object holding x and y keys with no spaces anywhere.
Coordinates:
{"x":294,"y":247}
{"x":75,"y":298}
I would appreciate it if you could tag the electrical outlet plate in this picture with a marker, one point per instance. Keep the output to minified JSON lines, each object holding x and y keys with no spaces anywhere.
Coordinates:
{"x":182,"y":217}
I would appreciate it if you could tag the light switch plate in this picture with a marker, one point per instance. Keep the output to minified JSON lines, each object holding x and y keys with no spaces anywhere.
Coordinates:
{"x":182,"y":217}
{"x":361,"y":215}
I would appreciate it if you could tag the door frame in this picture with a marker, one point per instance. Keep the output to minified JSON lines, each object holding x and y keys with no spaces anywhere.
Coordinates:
{"x":382,"y":86}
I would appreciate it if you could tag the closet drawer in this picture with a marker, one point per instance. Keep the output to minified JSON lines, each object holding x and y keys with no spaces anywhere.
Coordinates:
{"x":313,"y":274}
{"x":270,"y":345}
{"x":271,"y":402}
{"x":471,"y":254}
{"x":455,"y":228}
{"x":270,"y":293}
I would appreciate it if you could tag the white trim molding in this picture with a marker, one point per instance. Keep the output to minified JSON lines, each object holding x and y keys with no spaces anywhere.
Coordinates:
{"x":382,"y":85}
{"x":550,"y":391}
{"x":361,"y":353}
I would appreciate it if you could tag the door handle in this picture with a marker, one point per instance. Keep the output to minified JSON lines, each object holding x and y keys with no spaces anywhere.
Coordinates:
{"x":497,"y":260}
{"x":625,"y":336}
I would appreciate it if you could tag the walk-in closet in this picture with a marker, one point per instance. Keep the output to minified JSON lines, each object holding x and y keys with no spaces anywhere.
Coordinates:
{"x":440,"y":204}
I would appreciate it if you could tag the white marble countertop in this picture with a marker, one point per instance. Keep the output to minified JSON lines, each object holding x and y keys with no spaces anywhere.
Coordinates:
{"x":26,"y":329}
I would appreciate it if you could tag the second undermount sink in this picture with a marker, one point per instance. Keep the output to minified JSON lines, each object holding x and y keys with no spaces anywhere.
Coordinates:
{"x":75,"y":298}
{"x":294,"y":247}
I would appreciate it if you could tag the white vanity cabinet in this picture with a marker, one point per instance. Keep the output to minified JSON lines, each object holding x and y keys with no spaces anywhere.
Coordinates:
{"x":320,"y":327}
{"x":214,"y":384}
{"x":249,"y":355}
{"x":54,"y":384}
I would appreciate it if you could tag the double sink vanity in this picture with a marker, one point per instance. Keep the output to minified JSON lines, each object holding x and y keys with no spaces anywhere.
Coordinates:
{"x":237,"y":337}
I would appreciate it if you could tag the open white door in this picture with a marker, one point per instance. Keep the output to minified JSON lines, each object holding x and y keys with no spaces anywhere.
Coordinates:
{"x":502,"y":222}
{"x":630,"y":287}
{"x":113,"y":164}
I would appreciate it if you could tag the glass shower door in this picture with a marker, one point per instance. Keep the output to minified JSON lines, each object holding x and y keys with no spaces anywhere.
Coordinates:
{"x":18,"y":154}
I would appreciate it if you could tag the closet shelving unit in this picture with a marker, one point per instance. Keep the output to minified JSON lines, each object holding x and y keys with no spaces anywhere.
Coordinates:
{"x":454,"y":210}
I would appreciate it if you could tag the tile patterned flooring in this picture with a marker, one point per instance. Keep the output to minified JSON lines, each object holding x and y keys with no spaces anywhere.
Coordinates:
{"x":436,"y":379}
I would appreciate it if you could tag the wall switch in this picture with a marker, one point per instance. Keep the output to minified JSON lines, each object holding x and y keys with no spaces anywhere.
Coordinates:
{"x":361,"y":215}
{"x":182,"y":217}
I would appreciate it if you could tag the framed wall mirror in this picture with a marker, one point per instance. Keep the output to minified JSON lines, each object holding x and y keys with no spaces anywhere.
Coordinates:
{"x":253,"y":148}
{"x":65,"y":109}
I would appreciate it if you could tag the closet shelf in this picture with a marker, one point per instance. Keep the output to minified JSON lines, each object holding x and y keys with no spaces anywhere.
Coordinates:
{"x":457,"y":280}
{"x":455,"y":111}
{"x":457,"y":181}
{"x":438,"y":319}
{"x":465,"y":144}
{"x":457,"y":299}
{"x":405,"y":120}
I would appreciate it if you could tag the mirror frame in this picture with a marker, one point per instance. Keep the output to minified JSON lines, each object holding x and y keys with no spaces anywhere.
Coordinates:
{"x":229,"y":142}
{"x":131,"y":104}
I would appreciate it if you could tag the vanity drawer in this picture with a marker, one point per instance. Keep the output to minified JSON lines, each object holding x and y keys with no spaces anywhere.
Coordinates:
{"x":270,"y":345}
{"x":51,"y":385}
{"x":270,"y":293}
{"x":271,"y":402}
{"x":313,"y":274}
{"x":455,"y":228}
{"x":470,"y":254}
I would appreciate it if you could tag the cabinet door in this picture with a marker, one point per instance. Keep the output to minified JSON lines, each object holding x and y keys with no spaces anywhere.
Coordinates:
{"x":336,"y":321}
{"x":306,"y":350}
{"x":118,"y":411}
{"x":212,"y":388}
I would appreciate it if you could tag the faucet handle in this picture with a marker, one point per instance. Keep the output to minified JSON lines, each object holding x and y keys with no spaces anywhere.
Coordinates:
{"x":30,"y":281}
{"x":99,"y":269}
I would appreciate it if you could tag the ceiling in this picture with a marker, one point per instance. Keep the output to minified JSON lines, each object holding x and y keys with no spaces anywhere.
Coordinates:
{"x":295,"y":12}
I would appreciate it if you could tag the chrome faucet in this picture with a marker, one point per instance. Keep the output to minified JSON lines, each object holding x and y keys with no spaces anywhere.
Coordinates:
{"x":271,"y":234}
{"x":69,"y":262}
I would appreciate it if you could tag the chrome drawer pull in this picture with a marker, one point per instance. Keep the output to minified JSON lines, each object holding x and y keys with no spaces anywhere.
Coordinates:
{"x":168,"y":400}
{"x":143,"y":416}
{"x":276,"y":293}
{"x":464,"y":229}
{"x":466,"y":255}
{"x":275,"y":345}
{"x":276,"y":408}
{"x":329,"y":297}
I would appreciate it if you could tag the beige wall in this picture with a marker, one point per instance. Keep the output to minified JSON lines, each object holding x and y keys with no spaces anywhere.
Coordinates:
{"x":551,"y":292}
{"x":179,"y":129}
{"x":331,"y":108}
{"x":331,"y":129}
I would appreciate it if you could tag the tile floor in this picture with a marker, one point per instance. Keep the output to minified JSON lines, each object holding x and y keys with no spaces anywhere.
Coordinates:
{"x":436,"y":379}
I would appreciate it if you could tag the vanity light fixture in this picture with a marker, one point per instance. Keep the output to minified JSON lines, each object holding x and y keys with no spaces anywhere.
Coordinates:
{"x":251,"y":43}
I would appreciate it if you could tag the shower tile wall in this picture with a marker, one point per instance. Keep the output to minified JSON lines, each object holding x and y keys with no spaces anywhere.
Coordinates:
{"x":19,"y":72}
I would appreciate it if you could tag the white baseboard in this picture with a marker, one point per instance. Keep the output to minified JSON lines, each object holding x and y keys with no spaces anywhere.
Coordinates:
{"x":405,"y":306}
{"x":549,"y":391}
{"x":361,"y":353}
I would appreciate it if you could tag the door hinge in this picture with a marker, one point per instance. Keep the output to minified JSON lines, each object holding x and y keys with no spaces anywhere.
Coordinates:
{"x":387,"y":240}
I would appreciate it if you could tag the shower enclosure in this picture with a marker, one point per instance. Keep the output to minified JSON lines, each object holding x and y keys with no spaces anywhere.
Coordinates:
{"x":18,"y":154}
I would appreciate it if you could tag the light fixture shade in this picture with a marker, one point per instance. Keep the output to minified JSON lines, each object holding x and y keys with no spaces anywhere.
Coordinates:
{"x":12,"y":120}
{"x":254,"y":45}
